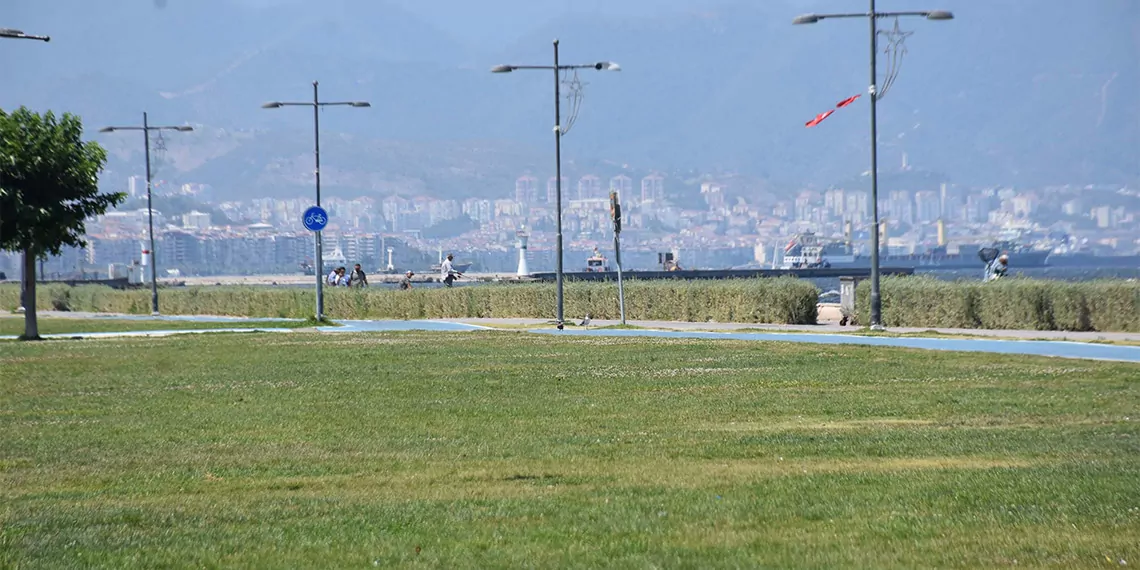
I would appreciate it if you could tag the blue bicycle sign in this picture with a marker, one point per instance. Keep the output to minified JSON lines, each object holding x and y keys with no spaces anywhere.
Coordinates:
{"x":315,"y":219}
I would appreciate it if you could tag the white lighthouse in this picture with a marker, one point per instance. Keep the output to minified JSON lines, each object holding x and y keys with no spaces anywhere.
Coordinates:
{"x":522,"y":235}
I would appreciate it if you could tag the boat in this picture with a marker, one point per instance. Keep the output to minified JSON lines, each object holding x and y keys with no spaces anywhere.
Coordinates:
{"x":455,"y":266}
{"x":807,"y":251}
{"x":1091,"y":261}
{"x":597,"y":263}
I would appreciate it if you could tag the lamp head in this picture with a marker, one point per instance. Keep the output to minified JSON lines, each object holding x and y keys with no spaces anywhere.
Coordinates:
{"x":107,"y":130}
{"x":184,"y":128}
{"x":939,"y":15}
{"x":502,"y":69}
{"x":806,"y":19}
{"x":360,"y":104}
{"x":607,"y":66}
{"x":273,"y":105}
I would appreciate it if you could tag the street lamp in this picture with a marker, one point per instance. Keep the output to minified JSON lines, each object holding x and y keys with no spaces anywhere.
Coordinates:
{"x":316,"y":104}
{"x":146,"y":128}
{"x":872,"y":16}
{"x":559,"y":130}
{"x":19,"y":35}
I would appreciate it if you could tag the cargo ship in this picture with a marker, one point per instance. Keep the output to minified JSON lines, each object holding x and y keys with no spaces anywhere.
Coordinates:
{"x":807,"y":251}
{"x":1092,"y":261}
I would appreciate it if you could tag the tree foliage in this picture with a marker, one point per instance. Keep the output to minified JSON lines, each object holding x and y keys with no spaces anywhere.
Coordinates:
{"x":49,"y":182}
{"x":49,"y":186}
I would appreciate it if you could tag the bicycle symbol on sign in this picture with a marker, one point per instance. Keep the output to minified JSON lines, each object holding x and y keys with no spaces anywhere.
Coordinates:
{"x":315,"y":219}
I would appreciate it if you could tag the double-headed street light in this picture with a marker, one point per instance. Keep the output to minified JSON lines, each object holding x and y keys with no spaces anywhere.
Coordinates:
{"x":19,"y":35}
{"x":557,"y":68}
{"x":146,"y":128}
{"x":316,"y":104}
{"x":873,"y":16}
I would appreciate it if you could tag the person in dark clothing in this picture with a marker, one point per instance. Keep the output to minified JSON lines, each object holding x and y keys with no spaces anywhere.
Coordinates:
{"x":357,"y":279}
{"x":406,"y":282}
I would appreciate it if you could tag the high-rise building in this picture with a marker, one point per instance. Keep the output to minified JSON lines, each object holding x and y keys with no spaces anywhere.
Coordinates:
{"x":590,"y":188}
{"x":927,"y":206}
{"x":653,"y":188}
{"x":526,"y":190}
{"x":713,"y":195}
{"x":834,"y":201}
{"x":136,"y":186}
{"x":858,"y":207}
{"x":196,"y":220}
{"x":552,"y":189}
{"x":900,"y":206}
{"x":623,"y":185}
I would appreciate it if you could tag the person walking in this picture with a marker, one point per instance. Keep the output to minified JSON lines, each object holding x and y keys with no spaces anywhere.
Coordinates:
{"x":446,"y":273}
{"x":998,"y":268}
{"x":406,"y":282}
{"x":358,"y":279}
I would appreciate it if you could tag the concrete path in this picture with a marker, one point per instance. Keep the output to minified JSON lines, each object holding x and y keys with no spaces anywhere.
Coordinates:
{"x":823,"y":328}
{"x":127,"y":334}
{"x":1000,"y":342}
{"x":1060,"y":349}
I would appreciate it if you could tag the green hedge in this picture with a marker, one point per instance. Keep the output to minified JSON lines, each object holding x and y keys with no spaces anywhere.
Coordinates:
{"x":784,"y":300}
{"x":1030,"y":304}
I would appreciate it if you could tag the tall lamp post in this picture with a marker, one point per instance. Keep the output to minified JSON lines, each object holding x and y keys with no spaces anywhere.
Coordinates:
{"x":19,"y":35}
{"x":872,"y":17}
{"x":146,"y":128}
{"x":557,"y":68}
{"x":316,"y":104}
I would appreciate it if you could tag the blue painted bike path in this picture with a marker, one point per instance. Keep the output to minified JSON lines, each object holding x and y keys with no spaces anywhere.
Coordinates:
{"x":1059,"y":349}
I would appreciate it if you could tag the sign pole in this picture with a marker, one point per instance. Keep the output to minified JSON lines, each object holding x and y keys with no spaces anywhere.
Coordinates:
{"x":315,"y":219}
{"x":615,"y":212}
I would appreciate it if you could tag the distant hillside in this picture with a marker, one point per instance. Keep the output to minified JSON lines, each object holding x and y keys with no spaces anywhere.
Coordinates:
{"x":1012,"y":91}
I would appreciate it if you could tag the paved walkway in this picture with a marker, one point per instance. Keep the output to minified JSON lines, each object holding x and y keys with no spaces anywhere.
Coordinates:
{"x":1000,"y":342}
{"x":831,"y":328}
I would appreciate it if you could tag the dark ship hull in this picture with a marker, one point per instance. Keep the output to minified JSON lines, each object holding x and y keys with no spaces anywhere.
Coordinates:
{"x":1026,"y":259}
{"x":1094,"y":261}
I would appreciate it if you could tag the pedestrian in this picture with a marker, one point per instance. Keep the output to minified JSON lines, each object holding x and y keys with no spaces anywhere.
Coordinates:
{"x":998,"y":268}
{"x":334,"y":278}
{"x":406,"y":282}
{"x":358,"y":279}
{"x":448,"y":274}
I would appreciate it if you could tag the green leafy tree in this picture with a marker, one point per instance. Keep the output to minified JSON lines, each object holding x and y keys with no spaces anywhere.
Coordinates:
{"x":49,"y":186}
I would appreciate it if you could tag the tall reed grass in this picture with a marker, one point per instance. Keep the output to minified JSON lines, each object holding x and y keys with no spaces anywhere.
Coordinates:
{"x":1015,"y":303}
{"x":783,"y":300}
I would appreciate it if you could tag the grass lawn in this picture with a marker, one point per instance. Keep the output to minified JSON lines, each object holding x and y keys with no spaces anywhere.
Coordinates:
{"x":14,"y":325}
{"x":492,"y":449}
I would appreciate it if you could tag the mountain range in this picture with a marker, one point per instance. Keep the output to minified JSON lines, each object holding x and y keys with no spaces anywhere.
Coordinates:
{"x":1013,"y":92}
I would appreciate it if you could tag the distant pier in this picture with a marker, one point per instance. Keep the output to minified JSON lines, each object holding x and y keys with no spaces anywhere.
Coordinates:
{"x":692,"y":274}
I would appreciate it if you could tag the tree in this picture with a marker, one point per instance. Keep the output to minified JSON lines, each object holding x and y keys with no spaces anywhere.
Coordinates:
{"x":49,"y":186}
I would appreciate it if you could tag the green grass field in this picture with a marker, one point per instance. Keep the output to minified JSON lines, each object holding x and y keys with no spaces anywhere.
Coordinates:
{"x":14,"y":325}
{"x":503,"y":449}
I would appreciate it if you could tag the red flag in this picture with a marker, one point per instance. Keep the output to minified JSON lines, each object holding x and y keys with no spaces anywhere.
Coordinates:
{"x":847,"y":101}
{"x":819,"y":118}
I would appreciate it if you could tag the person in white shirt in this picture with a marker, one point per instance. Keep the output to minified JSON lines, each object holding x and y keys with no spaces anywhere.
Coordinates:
{"x":446,"y":273}
{"x":337,"y":278}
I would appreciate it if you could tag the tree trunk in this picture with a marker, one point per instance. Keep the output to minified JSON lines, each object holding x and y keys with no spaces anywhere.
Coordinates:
{"x":31,"y":327}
